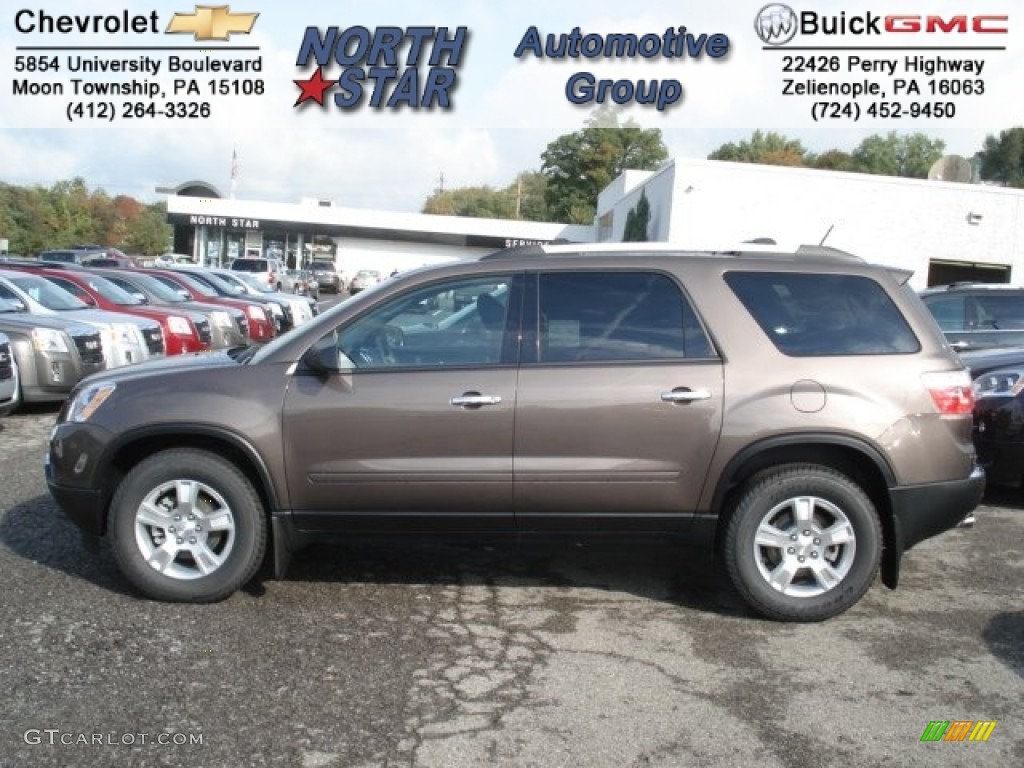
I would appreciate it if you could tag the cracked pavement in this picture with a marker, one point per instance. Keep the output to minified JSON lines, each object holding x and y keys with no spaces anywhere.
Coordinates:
{"x":538,"y":653}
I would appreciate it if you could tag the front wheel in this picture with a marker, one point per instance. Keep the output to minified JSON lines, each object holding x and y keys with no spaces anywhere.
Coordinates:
{"x":187,"y":526}
{"x":803,"y":543}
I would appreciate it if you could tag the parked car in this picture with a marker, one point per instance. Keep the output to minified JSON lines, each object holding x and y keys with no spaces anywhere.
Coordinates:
{"x":52,"y":353}
{"x":224,"y":327}
{"x":327,"y":276}
{"x":171,"y":259}
{"x":63,"y":256}
{"x":978,"y":315}
{"x":270,"y":272}
{"x":259,"y":324}
{"x":288,"y":309}
{"x":304,"y":283}
{"x":365,"y":278}
{"x":10,"y":391}
{"x":126,"y":339}
{"x":798,"y":412}
{"x":180,"y":329}
{"x":999,"y":412}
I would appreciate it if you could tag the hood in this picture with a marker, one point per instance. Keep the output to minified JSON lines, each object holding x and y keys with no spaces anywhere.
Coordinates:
{"x":163,"y":366}
{"x":25,"y":321}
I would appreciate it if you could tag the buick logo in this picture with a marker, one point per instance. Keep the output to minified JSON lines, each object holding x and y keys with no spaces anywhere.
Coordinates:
{"x":776,"y":24}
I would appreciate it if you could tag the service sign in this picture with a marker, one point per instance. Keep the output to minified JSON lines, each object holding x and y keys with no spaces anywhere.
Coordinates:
{"x":381,"y":105}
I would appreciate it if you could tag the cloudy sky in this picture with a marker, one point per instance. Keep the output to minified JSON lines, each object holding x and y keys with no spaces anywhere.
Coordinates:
{"x":505,"y":110}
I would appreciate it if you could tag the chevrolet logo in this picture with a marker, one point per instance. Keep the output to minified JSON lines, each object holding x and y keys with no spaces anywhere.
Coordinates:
{"x":211,"y":22}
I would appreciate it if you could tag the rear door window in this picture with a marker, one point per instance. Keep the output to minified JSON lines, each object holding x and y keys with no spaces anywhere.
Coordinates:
{"x":609,"y":316}
{"x":809,"y":315}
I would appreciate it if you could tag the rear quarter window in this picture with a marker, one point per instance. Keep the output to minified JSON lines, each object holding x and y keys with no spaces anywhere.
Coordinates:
{"x":810,"y":315}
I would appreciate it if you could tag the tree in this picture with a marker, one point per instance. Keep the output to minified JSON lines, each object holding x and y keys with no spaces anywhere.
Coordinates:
{"x":834,"y":160}
{"x":579,"y":165}
{"x":1002,"y":158}
{"x":479,"y":202}
{"x":637,"y":221}
{"x":894,"y":155}
{"x":68,"y":213}
{"x":765,"y":149}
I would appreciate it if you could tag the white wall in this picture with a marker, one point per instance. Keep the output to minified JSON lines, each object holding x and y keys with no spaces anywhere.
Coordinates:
{"x":354,"y":254}
{"x":902,"y":222}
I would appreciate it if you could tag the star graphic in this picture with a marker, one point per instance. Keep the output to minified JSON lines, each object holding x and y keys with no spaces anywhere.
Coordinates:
{"x":313,"y":88}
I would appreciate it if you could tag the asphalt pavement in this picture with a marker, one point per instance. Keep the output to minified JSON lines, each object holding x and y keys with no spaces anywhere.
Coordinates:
{"x":376,"y":653}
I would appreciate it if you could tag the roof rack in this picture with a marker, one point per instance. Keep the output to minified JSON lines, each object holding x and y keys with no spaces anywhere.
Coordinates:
{"x":746,"y":248}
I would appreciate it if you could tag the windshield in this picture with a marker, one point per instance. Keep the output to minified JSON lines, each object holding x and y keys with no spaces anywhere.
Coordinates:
{"x":322,"y":266}
{"x":254,"y":282}
{"x":48,"y":294}
{"x":146,"y":284}
{"x":232,"y":289}
{"x":111,"y":292}
{"x":192,"y":285}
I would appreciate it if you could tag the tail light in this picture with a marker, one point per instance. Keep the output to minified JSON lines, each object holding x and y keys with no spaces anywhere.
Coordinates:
{"x":951,"y":390}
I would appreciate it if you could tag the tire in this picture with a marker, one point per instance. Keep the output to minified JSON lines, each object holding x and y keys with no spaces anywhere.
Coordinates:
{"x":788,"y":571}
{"x":181,"y":553}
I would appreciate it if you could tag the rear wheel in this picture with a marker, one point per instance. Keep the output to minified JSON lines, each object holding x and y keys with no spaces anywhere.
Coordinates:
{"x":187,"y":526}
{"x":803,"y":543}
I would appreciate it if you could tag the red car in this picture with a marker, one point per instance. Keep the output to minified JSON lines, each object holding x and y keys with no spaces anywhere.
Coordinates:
{"x":261,"y":326}
{"x":181,"y":334}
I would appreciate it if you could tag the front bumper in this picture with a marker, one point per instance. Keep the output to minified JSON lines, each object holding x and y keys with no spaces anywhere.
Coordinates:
{"x":923,"y":511}
{"x":73,"y":474}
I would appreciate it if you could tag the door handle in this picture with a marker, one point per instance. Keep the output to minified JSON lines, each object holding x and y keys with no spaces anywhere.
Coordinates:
{"x":685,"y":395}
{"x":474,"y":400}
{"x":959,"y":344}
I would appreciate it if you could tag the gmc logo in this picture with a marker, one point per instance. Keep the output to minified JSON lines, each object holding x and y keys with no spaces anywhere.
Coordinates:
{"x":959,"y":24}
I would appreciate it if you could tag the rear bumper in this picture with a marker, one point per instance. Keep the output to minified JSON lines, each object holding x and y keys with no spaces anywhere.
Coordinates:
{"x":923,"y":511}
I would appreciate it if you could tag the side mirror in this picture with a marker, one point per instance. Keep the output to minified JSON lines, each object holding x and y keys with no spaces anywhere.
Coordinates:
{"x":140,"y":296}
{"x":184,"y":294}
{"x":324,"y":358}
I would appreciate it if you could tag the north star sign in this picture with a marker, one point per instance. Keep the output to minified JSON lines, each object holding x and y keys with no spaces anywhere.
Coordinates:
{"x":223,"y":221}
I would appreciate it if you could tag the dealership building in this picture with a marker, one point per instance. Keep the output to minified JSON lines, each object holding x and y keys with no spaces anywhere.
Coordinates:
{"x":943,"y":231}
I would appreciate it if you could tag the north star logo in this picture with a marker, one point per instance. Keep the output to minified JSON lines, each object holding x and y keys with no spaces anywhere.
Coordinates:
{"x":384,"y":68}
{"x":212,"y":22}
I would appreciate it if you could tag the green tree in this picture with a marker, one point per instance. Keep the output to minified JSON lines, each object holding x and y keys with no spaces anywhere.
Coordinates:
{"x":1002,"y":157}
{"x":834,"y":160}
{"x":478,"y":202}
{"x":909,"y":155}
{"x":68,"y":213}
{"x":765,"y":149}
{"x":637,"y":221}
{"x":579,"y":165}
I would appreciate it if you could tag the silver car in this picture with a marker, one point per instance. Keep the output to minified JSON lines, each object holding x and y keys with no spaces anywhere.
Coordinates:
{"x":51,"y":354}
{"x":9,"y":389}
{"x":126,"y":339}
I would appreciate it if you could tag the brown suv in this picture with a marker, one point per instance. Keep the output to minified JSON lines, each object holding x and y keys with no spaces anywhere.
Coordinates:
{"x":799,"y":412}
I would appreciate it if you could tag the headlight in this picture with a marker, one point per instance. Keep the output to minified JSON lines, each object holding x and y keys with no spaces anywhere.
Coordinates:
{"x":221,"y":319}
{"x":256,"y":313}
{"x":85,"y":403}
{"x":48,"y":340}
{"x":179,"y":326}
{"x":275,"y":309}
{"x":1008,"y":382}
